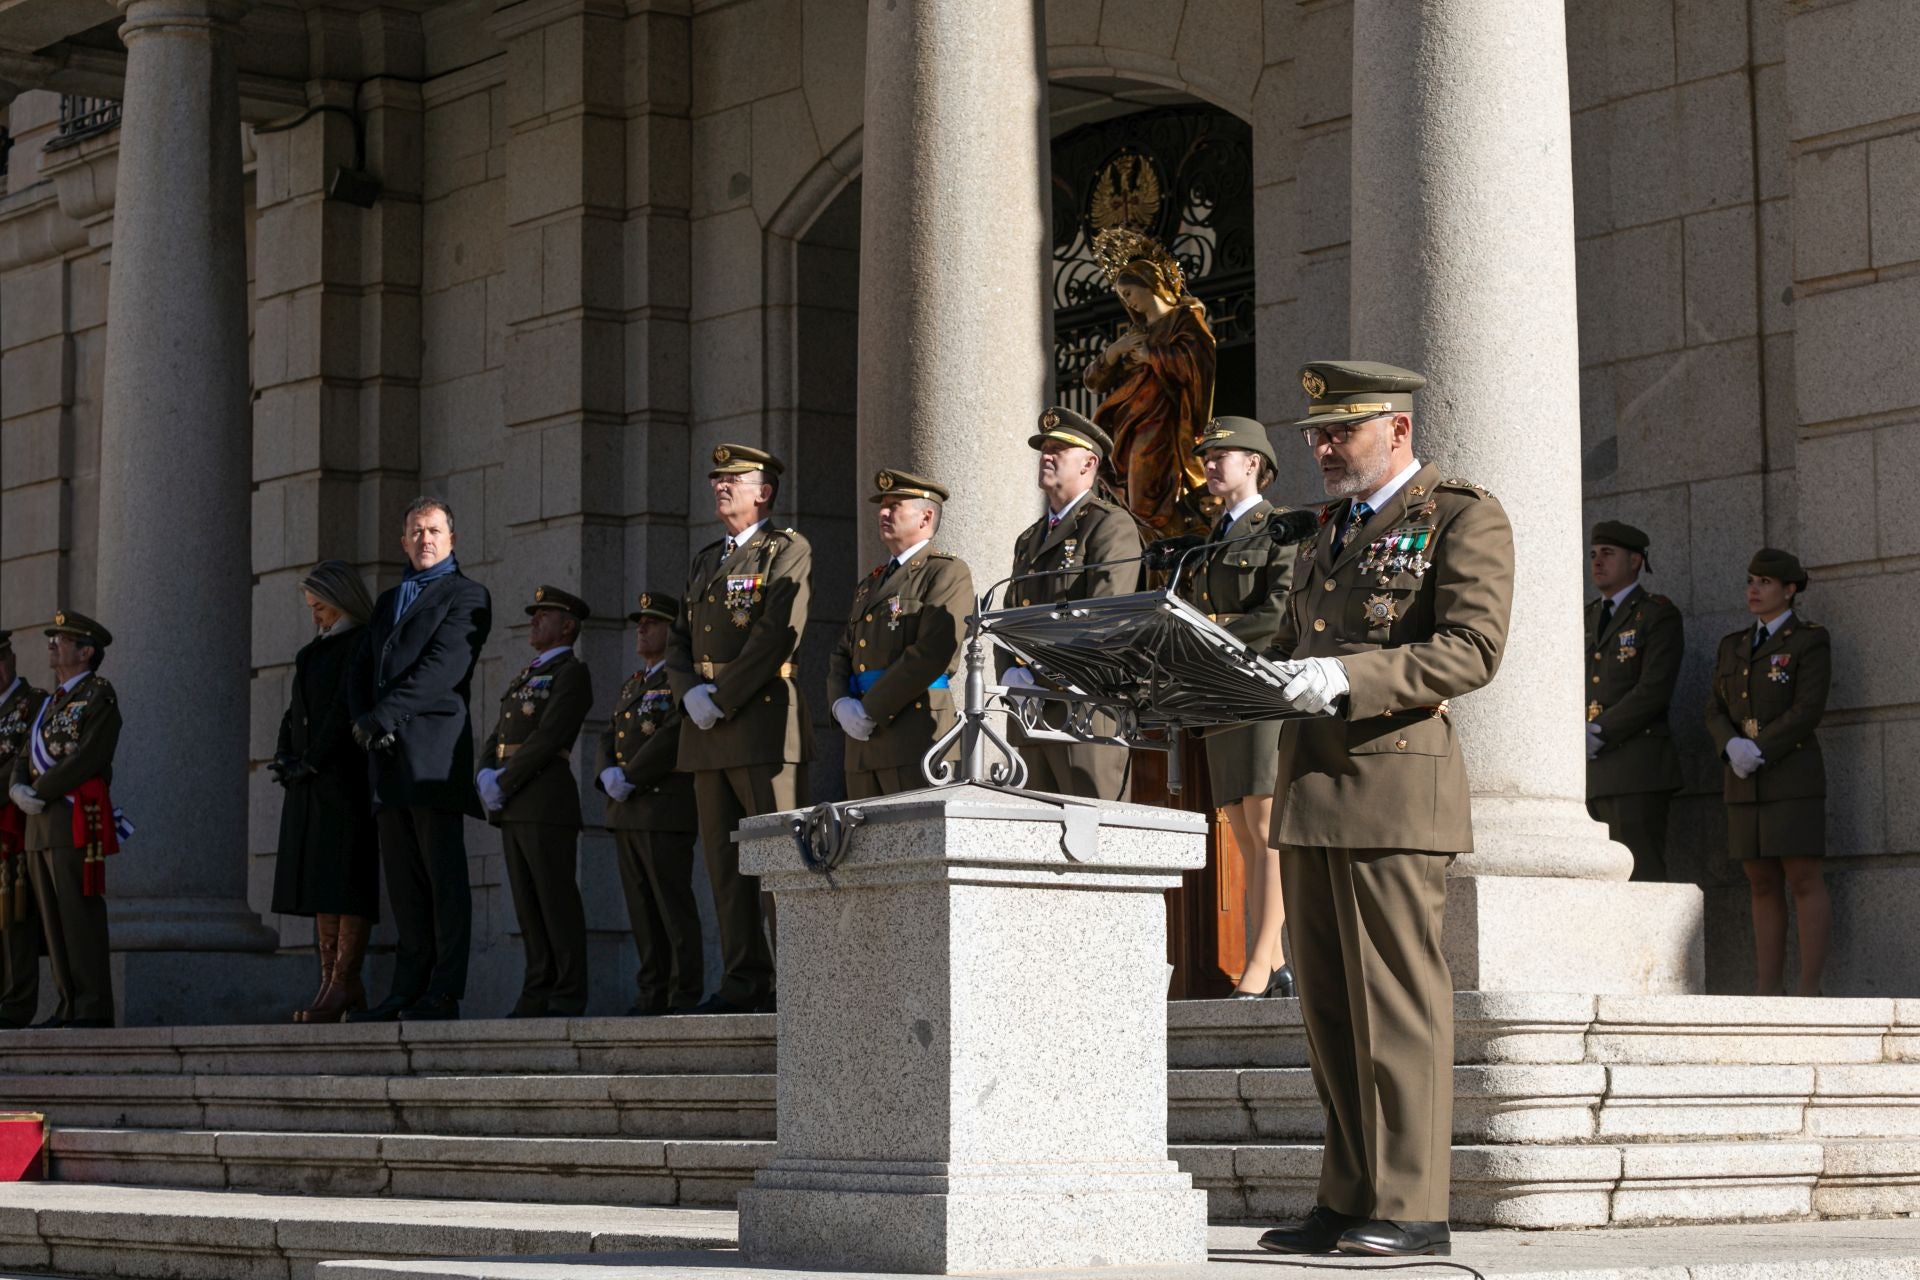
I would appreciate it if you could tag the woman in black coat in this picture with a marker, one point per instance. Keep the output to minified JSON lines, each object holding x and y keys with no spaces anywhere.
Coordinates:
{"x":329,"y":864}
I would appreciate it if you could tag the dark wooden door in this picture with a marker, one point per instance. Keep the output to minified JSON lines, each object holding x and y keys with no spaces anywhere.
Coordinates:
{"x":1206,"y":915}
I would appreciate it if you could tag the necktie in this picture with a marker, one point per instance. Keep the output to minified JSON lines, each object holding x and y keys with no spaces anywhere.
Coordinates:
{"x":1759,"y":636}
{"x":1356,"y":517}
{"x":729,"y":548}
{"x":1226,"y":523}
{"x":888,"y":571}
{"x":1606,"y":614}
{"x":1053,"y":519}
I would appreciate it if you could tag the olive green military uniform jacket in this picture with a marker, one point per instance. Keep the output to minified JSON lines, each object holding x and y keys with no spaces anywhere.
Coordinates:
{"x":1416,"y":608}
{"x":532,"y":744}
{"x":1632,"y":666}
{"x":81,"y":729}
{"x":642,"y":740}
{"x":738,"y":632}
{"x":1775,"y":697}
{"x":1243,"y":584}
{"x":16,"y":722}
{"x":903,"y":635}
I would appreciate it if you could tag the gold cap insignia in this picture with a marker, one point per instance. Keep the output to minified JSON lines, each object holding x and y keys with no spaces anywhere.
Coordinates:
{"x":722,"y":455}
{"x":1050,"y":419}
{"x":646,"y":599}
{"x":60,"y":619}
{"x":1316,"y":385}
{"x":883,"y":481}
{"x":1218,"y":433}
{"x":540,"y":593}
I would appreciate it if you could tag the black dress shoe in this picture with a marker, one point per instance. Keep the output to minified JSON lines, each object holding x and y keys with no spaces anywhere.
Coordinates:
{"x":1385,"y":1239}
{"x":431,"y":1009}
{"x":387,"y":1010}
{"x":718,"y":1004}
{"x":1263,"y":992}
{"x":1282,"y":984}
{"x":650,"y":1010}
{"x":51,"y":1024}
{"x":1318,"y":1232}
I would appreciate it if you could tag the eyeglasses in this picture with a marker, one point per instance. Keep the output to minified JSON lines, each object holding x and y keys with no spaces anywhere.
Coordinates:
{"x":1314,"y":437}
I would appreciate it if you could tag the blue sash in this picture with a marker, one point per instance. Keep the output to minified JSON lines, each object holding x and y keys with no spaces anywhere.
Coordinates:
{"x":865,"y":680}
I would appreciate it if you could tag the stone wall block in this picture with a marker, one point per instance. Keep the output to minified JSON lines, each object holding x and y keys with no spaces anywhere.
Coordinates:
{"x":462,"y":418}
{"x":33,"y":305}
{"x":833,"y":38}
{"x":657,"y":484}
{"x":1776,"y":267}
{"x":655,"y":257}
{"x":288,"y":247}
{"x":1770,"y":127}
{"x":31,"y":448}
{"x":1148,"y":26}
{"x":1831,"y":212}
{"x":1902,"y":746}
{"x":455,"y":324}
{"x":1644,"y":290}
{"x":1589,"y":53}
{"x":1593,"y":274}
{"x":281,"y":625}
{"x":36,"y":375}
{"x":1783,"y":508}
{"x":1867,"y":47}
{"x":455,"y":137}
{"x":389,"y":335}
{"x":1767,"y":22}
{"x":1221,"y":47}
{"x":545,"y":169}
{"x":657,"y":372}
{"x":1856,"y":779}
{"x":1276,"y":152}
{"x":1720,"y":275}
{"x":1725,"y":525}
{"x":1647,"y":128}
{"x":1896,"y":474}
{"x":1662,"y":399}
{"x":1710,"y":37}
{"x":396,"y":151}
{"x":1326,"y":282}
{"x":1716,"y":142}
{"x":563,"y":368}
{"x":339,"y":426}
{"x":1276,"y":218}
{"x":745,"y":51}
{"x":785,"y":149}
{"x":35,"y":519}
{"x":1600,"y":451}
{"x":269,"y":522}
{"x":1069,"y":22}
{"x":1783,"y":417}
{"x":525,"y":81}
{"x":272,"y":322}
{"x":390,"y":248}
{"x":1853,"y":349}
{"x":562,"y":469}
{"x":520,"y":290}
{"x":658,"y":62}
{"x":86,"y":293}
{"x":659,"y":162}
{"x":463,"y":235}
{"x":1325,"y":189}
{"x":726,"y":357}
{"x":1893,"y":181}
{"x":1835,"y":473}
{"x":1641,"y":45}
{"x":31,"y":588}
{"x":723,"y":161}
{"x":1325,"y":44}
{"x":269,"y":169}
{"x":726,"y":260}
{"x":1593,"y":172}
{"x":389,"y":427}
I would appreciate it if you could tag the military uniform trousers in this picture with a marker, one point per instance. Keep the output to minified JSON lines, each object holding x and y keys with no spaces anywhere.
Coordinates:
{"x":656,"y":875}
{"x":1076,"y":769}
{"x":724,"y":797}
{"x":543,"y":862}
{"x":76,"y":933}
{"x":1377,"y":1001}
{"x":21,"y":943}
{"x":423,"y":853}
{"x":1638,"y":820}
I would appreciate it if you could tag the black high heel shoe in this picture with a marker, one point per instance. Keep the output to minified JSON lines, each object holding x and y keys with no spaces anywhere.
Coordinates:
{"x":1281,"y":984}
{"x":1265,"y":991}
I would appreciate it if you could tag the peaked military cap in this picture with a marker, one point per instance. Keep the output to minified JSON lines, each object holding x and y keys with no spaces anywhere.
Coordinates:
{"x":555,"y":598}
{"x":1614,"y":533}
{"x":82,"y":628}
{"x":738,"y":459}
{"x":655,"y":605}
{"x":1063,"y":424}
{"x":905,"y":484}
{"x":1348,"y":390}
{"x":1237,"y":433}
{"x":1784,"y":566}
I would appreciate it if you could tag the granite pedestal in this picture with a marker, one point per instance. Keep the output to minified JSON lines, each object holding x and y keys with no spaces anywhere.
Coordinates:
{"x":973,"y":1038}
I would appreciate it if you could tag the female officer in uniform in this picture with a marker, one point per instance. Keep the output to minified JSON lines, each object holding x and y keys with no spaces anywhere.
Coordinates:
{"x":1241,"y":582}
{"x":1769,"y":692}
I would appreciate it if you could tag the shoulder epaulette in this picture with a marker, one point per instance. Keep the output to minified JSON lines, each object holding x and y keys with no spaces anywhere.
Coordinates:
{"x":935,"y":553}
{"x":1661,"y":600}
{"x":1468,"y":485}
{"x":1813,"y":626}
{"x":103,"y":690}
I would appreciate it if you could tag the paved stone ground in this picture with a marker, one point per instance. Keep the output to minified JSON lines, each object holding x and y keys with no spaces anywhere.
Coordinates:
{"x":1882,"y":1250}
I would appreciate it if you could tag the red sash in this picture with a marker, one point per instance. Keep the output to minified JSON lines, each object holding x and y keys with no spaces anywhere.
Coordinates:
{"x":94,"y":833}
{"x":13,"y":875}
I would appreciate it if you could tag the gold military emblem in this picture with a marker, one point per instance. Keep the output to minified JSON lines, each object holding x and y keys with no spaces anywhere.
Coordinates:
{"x":1315,"y":384}
{"x":1380,"y":610}
{"x":722,"y":455}
{"x":646,"y":600}
{"x":1126,"y":194}
{"x":60,"y":619}
{"x":1050,"y":419}
{"x":539,"y":594}
{"x":883,"y":481}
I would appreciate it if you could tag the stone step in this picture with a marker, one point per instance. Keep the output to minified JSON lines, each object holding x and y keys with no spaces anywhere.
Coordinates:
{"x":143,"y":1233}
{"x":1525,"y":1102}
{"x":553,"y":1170}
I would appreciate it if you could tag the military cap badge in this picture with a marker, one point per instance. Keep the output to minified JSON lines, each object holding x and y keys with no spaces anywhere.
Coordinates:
{"x":1050,"y":419}
{"x":1313,"y":382}
{"x":540,"y":593}
{"x":646,"y":599}
{"x":60,"y":619}
{"x":883,"y":481}
{"x":722,"y":455}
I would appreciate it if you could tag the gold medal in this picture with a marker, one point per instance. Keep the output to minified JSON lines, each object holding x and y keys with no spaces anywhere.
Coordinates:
{"x":646,"y":726}
{"x":1380,"y":610}
{"x":526,"y":708}
{"x":741,"y":618}
{"x":1593,"y":711}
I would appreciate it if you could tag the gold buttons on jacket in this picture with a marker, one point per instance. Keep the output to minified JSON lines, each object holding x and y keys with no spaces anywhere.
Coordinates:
{"x":1400,"y":745}
{"x":706,"y":626}
{"x":869,"y":618}
{"x":1596,"y":679}
{"x":1319,"y":624}
{"x":863,"y":642}
{"x":1331,"y":584}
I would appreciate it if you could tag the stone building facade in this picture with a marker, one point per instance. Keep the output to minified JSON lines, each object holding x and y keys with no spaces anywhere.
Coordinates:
{"x":609,"y":234}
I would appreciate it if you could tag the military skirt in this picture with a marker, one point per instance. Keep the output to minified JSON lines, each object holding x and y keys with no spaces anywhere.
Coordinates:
{"x":1795,"y":828}
{"x":1242,"y":760}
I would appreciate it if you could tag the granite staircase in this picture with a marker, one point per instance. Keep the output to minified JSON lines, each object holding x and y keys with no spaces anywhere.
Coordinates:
{"x":242,"y":1153}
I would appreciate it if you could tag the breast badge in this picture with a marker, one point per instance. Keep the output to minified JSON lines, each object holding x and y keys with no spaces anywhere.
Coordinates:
{"x":893,"y":606}
{"x":1380,"y":610}
{"x":743,"y":593}
{"x":1777,"y":668}
{"x":1629,"y":646}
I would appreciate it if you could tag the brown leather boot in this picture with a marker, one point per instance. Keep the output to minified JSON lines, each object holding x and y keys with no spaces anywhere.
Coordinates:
{"x":345,"y":994}
{"x":325,"y":930}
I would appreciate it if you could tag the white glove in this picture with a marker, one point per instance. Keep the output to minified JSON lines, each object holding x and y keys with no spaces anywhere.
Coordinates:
{"x":1314,"y":684}
{"x":1594,"y":740}
{"x":23,"y":796}
{"x":1018,"y":678}
{"x":853,"y":717}
{"x":700,"y":706}
{"x":1744,"y":755}
{"x":613,"y":781}
{"x":488,"y":783}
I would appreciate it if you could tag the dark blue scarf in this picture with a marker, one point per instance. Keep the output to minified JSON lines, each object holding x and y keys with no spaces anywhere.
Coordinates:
{"x":413,"y":580}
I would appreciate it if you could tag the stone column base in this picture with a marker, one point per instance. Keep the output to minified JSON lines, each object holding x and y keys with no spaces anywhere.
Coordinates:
{"x":863,"y":1216}
{"x":1596,"y":937}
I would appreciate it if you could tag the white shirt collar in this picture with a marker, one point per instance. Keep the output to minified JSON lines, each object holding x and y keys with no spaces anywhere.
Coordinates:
{"x":1620,"y":597}
{"x":543,"y":659}
{"x":67,"y":685}
{"x":1054,"y":517}
{"x":1393,"y":486}
{"x":911,"y":551}
{"x":653,"y":667}
{"x":745,"y":535}
{"x":1243,"y":507}
{"x":1773,"y":627}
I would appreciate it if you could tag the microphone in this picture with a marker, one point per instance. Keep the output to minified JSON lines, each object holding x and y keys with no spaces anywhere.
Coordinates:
{"x":1297,"y":525}
{"x":1164,"y":553}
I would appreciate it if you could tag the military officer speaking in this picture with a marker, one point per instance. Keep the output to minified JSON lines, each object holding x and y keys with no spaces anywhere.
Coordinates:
{"x":1634,"y":647}
{"x":1083,"y":547}
{"x":1400,"y":604}
{"x":651,"y":814}
{"x":61,"y":783}
{"x":527,"y":787}
{"x":746,"y":738}
{"x":20,"y":930}
{"x":891,"y":676}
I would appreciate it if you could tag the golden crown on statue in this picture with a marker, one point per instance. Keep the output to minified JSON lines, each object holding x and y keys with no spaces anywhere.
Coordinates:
{"x":1115,"y":247}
